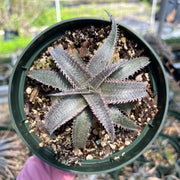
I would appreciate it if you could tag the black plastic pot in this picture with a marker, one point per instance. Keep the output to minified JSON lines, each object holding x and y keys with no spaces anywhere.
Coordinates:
{"x":16,"y":100}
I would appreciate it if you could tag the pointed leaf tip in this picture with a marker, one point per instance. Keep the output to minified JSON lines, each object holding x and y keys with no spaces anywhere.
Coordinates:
{"x":104,"y":54}
{"x":130,"y":67}
{"x":108,"y":13}
{"x":50,"y":78}
{"x":122,"y":120}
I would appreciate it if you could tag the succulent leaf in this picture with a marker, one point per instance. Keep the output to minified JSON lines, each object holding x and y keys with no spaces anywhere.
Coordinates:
{"x":76,"y":74}
{"x":78,"y":57}
{"x":130,"y":67}
{"x":50,"y":78}
{"x":82,"y":90}
{"x":121,"y":120}
{"x":104,"y":54}
{"x":126,"y":107}
{"x":101,"y":111}
{"x":81,"y":126}
{"x":98,"y":79}
{"x":116,"y":92}
{"x":64,"y":110}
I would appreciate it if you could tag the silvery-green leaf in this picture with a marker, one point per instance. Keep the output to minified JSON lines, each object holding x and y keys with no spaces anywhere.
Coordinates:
{"x":78,"y":57}
{"x":122,"y":120}
{"x":67,"y":92}
{"x":116,"y":92}
{"x":98,"y":79}
{"x":104,"y":54}
{"x":81,"y":126}
{"x":75,"y":72}
{"x":101,"y":111}
{"x":130,"y":67}
{"x":64,"y":110}
{"x":50,"y":78}
{"x":126,"y":107}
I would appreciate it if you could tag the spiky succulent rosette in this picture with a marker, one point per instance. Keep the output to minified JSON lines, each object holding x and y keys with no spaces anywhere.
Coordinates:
{"x":90,"y":90}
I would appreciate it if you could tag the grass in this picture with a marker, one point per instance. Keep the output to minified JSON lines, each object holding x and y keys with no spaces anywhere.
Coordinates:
{"x":118,"y":10}
{"x":11,"y":46}
{"x":46,"y":18}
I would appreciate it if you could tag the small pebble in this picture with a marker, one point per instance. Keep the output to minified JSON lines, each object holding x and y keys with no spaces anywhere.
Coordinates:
{"x":101,"y":153}
{"x":113,"y":146}
{"x":27,"y":121}
{"x":139,"y":77}
{"x":68,"y":129}
{"x":44,"y":135}
{"x":121,"y":148}
{"x":116,"y":157}
{"x":31,"y":131}
{"x":139,"y":119}
{"x":103,"y":143}
{"x":123,"y":39}
{"x":41,"y":144}
{"x":77,"y":152}
{"x":148,"y":119}
{"x":127,"y":143}
{"x":89,"y":157}
{"x":28,"y":90}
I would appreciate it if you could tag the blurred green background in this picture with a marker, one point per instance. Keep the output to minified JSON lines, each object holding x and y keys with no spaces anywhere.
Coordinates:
{"x":21,"y":20}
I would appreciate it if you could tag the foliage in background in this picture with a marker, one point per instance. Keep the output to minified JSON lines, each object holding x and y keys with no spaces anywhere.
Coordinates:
{"x":13,"y":154}
{"x":45,"y":15}
{"x":16,"y":15}
{"x":48,"y":16}
{"x":11,"y":46}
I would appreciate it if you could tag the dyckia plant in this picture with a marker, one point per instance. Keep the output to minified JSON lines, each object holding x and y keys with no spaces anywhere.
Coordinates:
{"x":93,"y":89}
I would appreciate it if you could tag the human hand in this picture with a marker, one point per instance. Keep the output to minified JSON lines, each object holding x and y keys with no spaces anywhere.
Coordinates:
{"x":36,"y":169}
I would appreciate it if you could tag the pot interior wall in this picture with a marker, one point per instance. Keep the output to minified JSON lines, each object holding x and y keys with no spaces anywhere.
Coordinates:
{"x":16,"y":101}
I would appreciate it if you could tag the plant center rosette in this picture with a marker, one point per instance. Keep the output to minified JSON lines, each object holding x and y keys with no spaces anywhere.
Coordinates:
{"x":89,"y":94}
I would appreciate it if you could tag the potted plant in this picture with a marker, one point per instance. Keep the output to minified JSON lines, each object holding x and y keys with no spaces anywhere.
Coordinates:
{"x":112,"y":70}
